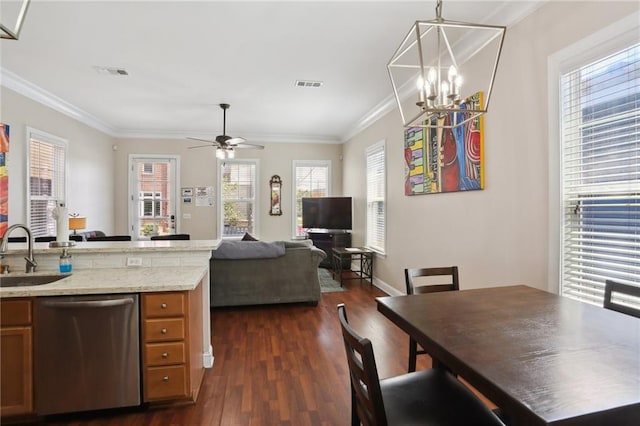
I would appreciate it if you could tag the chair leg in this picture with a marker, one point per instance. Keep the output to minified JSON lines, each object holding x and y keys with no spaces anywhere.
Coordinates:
{"x":413,"y":352}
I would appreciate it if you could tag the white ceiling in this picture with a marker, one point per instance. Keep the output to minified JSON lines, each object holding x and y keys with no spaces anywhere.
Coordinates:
{"x":184,"y":58}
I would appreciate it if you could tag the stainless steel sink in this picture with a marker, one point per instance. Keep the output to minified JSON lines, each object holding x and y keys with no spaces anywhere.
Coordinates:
{"x":26,"y":280}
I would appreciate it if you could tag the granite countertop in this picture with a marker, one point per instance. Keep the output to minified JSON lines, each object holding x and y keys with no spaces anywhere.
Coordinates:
{"x":120,"y":246}
{"x":116,"y":280}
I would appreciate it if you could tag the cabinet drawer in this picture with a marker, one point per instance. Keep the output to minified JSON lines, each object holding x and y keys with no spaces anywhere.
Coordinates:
{"x":166,"y":383}
{"x":15,"y":312}
{"x":164,"y":329}
{"x":157,"y":354}
{"x":163,"y":305}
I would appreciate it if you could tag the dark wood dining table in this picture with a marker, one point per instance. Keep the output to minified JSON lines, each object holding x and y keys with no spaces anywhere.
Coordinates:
{"x":541,"y":358}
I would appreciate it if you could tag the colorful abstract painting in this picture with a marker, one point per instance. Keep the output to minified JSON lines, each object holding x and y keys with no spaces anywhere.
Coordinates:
{"x":445,"y":160}
{"x":4,"y":179}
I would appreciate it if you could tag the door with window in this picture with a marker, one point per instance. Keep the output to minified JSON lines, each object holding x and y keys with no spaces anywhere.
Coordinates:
{"x":153,"y":187}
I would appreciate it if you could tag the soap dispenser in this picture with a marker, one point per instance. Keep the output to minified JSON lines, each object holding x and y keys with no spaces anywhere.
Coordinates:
{"x":65,"y":262}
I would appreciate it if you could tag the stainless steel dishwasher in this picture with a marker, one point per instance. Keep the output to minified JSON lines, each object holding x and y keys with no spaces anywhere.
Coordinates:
{"x":87,"y":353}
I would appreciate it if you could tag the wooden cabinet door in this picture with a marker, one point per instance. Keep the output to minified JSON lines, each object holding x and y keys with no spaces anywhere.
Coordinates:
{"x":16,"y":370}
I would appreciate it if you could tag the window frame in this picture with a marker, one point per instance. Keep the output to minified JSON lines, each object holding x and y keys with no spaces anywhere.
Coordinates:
{"x":613,"y":38}
{"x":371,"y":150}
{"x":294,"y":196}
{"x":48,"y":138}
{"x":256,"y":197}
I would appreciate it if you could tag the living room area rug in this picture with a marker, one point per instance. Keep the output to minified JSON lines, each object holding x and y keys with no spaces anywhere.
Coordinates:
{"x":327,"y":283}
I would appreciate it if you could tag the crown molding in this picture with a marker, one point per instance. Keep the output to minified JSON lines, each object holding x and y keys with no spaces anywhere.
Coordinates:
{"x":16,"y":83}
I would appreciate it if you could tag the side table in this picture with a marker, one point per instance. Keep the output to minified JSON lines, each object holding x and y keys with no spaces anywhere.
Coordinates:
{"x":366,"y":262}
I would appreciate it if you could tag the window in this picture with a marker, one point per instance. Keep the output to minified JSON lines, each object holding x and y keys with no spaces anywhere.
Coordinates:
{"x":601,"y":175}
{"x":47,"y":165}
{"x":237,"y":198}
{"x":376,"y":195}
{"x":312,"y":179}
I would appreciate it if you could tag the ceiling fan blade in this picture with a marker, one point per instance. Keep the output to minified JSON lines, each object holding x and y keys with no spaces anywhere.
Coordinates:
{"x":203,"y":146}
{"x":248,"y":146}
{"x":235,"y":141}
{"x":201,"y":140}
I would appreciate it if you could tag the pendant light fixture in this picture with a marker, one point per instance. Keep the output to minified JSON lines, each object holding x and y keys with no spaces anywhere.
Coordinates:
{"x":440,"y":66}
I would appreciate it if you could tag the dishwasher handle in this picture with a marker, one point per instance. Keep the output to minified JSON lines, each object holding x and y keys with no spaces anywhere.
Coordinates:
{"x":88,"y":304}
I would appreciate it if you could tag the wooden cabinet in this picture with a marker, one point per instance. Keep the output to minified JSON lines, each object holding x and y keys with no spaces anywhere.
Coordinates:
{"x":16,"y":357}
{"x":326,"y":241}
{"x":172,"y":366}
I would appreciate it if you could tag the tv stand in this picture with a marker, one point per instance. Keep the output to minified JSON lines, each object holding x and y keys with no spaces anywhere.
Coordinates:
{"x":327,"y":240}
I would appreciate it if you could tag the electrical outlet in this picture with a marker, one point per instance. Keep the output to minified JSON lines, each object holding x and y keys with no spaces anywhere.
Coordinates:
{"x":134,"y":261}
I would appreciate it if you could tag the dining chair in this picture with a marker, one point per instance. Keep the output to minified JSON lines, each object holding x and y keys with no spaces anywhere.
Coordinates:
{"x":171,"y":237}
{"x":17,"y":239}
{"x":111,"y":238}
{"x":426,"y":397}
{"x":611,"y":287}
{"x":436,"y":279}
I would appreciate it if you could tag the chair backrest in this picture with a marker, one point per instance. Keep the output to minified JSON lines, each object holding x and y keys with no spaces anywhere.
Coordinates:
{"x":366,"y":395}
{"x":447,"y":274}
{"x":111,"y":238}
{"x":171,"y":237}
{"x":611,"y":287}
{"x":44,"y":239}
{"x":17,"y":239}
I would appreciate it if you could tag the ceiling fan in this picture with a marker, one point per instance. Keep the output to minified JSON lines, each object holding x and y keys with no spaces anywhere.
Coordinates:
{"x":224,"y":143}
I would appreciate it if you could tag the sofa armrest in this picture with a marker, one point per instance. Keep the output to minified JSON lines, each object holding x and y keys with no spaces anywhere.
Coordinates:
{"x":315,"y":251}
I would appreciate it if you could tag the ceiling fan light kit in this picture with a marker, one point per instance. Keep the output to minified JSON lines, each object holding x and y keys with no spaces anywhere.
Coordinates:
{"x":428,"y":67}
{"x":224,"y":143}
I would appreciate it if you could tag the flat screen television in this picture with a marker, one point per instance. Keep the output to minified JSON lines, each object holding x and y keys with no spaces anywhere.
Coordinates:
{"x":327,"y":213}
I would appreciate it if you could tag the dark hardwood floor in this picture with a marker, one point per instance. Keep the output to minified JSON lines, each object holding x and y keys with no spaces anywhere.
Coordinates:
{"x":277,"y":365}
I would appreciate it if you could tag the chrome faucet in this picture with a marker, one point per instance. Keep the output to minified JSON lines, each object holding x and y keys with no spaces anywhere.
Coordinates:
{"x":31,"y":261}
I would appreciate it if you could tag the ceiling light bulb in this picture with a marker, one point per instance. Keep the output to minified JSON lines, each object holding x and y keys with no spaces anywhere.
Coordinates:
{"x":220,"y":154}
{"x":432,"y":76}
{"x":231,"y":153}
{"x":452,"y":73}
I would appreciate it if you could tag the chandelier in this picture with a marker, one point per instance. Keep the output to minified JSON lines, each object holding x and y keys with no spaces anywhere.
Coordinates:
{"x":7,"y":32}
{"x":444,"y":67}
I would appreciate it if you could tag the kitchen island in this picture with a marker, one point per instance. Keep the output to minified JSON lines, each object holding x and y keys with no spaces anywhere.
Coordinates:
{"x":171,"y":279}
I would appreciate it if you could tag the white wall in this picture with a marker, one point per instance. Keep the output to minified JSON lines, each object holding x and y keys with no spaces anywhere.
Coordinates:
{"x":90,"y":160}
{"x":198,"y":167}
{"x":500,"y":235}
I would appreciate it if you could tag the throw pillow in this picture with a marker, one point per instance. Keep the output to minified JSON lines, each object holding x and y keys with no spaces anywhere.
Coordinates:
{"x":248,"y":237}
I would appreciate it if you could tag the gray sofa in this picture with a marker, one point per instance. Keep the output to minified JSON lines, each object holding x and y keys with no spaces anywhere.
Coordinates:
{"x":257,"y":272}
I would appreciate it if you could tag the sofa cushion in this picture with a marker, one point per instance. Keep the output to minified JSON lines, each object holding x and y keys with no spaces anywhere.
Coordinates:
{"x":298,"y":243}
{"x":249,"y":250}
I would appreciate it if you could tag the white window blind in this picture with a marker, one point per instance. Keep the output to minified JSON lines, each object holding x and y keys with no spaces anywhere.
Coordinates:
{"x":238,"y":197}
{"x":601,"y":175}
{"x":47,"y":181}
{"x":376,"y":197}
{"x":312,"y":179}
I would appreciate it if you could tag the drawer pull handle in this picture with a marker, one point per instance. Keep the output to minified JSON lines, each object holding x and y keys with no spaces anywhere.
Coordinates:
{"x":165,"y":355}
{"x":163,"y":331}
{"x":165,"y":379}
{"x":163,"y":306}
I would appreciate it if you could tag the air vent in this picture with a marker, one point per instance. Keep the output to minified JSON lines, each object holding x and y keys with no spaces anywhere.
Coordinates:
{"x":111,"y":70}
{"x":308,"y":83}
